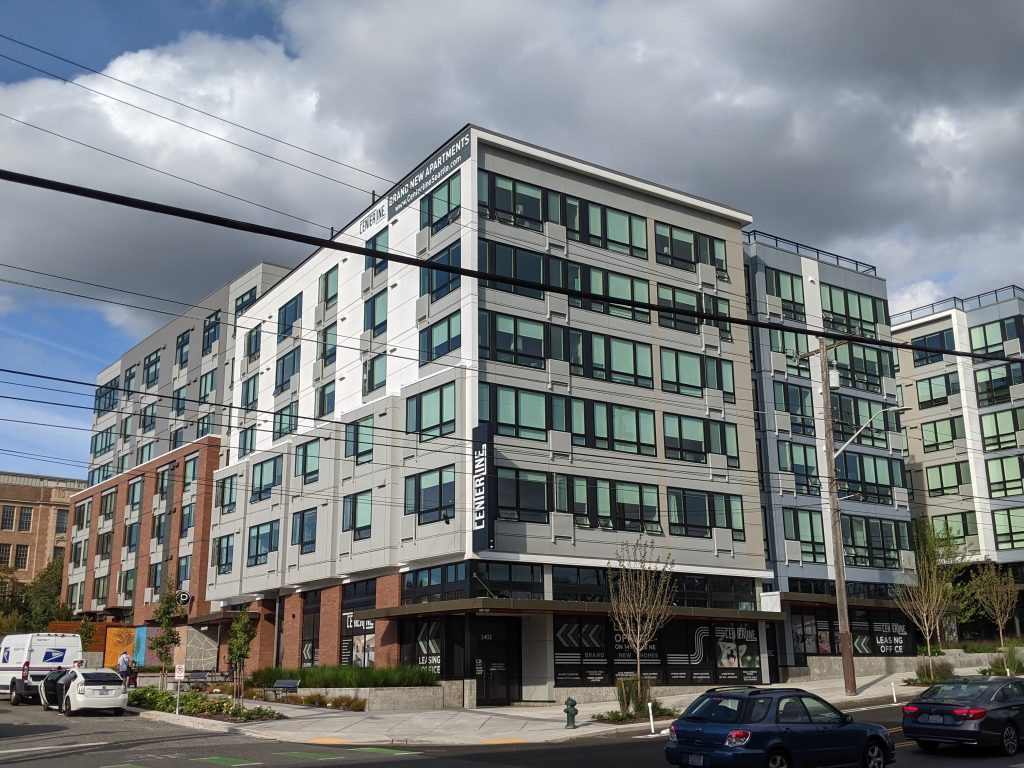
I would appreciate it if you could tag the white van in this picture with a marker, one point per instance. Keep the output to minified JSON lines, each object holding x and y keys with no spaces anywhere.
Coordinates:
{"x":26,"y":659}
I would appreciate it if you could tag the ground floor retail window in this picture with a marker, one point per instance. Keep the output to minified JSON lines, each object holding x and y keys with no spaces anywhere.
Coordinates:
{"x":358,"y":643}
{"x":815,"y":632}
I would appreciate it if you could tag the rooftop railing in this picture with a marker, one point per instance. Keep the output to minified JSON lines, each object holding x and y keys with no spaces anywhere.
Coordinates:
{"x":986,"y":299}
{"x":791,"y":246}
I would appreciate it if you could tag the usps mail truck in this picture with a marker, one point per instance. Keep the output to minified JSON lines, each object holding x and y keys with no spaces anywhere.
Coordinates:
{"x":26,"y":659}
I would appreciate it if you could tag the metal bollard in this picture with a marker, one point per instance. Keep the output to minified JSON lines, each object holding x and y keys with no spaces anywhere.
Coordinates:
{"x":570,"y":712}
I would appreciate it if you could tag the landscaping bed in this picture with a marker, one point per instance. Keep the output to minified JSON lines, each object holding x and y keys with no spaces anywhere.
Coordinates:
{"x":196,"y":704}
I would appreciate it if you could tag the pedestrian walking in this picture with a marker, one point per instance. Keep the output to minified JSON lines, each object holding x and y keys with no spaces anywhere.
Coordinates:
{"x":124,"y":663}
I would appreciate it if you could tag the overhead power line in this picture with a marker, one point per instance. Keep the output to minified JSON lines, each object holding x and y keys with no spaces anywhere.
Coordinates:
{"x":317,"y":242}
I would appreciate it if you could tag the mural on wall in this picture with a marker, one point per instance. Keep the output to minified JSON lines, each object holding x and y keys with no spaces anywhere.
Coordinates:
{"x":200,"y":648}
{"x":139,"y":647}
{"x":118,"y":639}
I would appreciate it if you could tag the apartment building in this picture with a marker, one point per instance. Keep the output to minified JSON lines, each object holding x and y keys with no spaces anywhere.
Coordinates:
{"x":33,"y":521}
{"x":160,"y":414}
{"x":965,"y":426}
{"x":804,"y":290}
{"x":435,"y":469}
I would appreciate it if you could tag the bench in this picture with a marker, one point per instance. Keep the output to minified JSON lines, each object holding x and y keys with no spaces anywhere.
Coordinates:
{"x":279,"y":687}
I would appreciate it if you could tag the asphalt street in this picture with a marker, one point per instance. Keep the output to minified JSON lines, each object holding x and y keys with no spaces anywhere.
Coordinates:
{"x":32,"y":738}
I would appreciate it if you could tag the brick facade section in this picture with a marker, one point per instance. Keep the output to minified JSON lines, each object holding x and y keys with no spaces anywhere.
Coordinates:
{"x":291,"y":635}
{"x":388,"y":643}
{"x":44,"y":496}
{"x":330,"y":626}
{"x":136,"y":611}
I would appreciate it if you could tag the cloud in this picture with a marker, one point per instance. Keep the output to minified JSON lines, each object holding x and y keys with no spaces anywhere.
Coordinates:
{"x":915,"y":295}
{"x":7,"y":304}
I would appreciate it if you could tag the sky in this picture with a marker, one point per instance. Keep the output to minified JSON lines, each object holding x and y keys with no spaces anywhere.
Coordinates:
{"x":885,"y":132}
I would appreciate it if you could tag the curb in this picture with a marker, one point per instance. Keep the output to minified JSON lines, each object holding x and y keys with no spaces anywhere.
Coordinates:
{"x":198,"y":723}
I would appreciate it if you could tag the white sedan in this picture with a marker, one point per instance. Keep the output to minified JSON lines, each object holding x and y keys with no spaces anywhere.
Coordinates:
{"x":90,"y":689}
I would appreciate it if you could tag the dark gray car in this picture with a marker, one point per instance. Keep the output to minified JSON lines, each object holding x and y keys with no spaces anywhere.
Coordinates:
{"x":983,"y":711}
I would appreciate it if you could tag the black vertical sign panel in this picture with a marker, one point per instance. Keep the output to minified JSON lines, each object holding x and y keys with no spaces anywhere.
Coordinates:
{"x":482,"y":497}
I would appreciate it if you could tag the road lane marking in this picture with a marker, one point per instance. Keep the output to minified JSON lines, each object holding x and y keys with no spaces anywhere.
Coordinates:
{"x":893,"y":730}
{"x":383,"y":751}
{"x":309,"y":755}
{"x":328,"y":740}
{"x":53,"y":746}
{"x":229,"y":762}
{"x":503,"y":741}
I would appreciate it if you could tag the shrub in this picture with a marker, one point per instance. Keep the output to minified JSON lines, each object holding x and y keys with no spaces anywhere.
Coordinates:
{"x":347,"y":677}
{"x":929,"y":674}
{"x":1008,"y":659}
{"x":618,"y":716}
{"x":197,"y":704}
{"x":982,"y":647}
{"x":633,"y":694}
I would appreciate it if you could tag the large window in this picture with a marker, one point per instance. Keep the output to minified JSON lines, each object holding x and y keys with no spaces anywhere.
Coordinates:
{"x":850,"y":414}
{"x":505,"y":261}
{"x":357,"y":514}
{"x":939,"y":435}
{"x":790,"y":288}
{"x":802,"y":461}
{"x":251,"y":392}
{"x":181,"y":349}
{"x":286,"y":420}
{"x":223,"y":553}
{"x":939,"y":341}
{"x":683,"y":249}
{"x":263,"y":539}
{"x":615,"y":505}
{"x":188,"y":519}
{"x":252,"y":342}
{"x":211,"y":332}
{"x":431,"y":495}
{"x":207,"y":385}
{"x":184,"y":569}
{"x":286,"y":367}
{"x":148,"y":418}
{"x":307,"y":461}
{"x":872,"y":542}
{"x":957,"y":526}
{"x":694,"y":513}
{"x":994,"y":383}
{"x":687,"y":373}
{"x":227,"y":489}
{"x":989,"y":338}
{"x":1005,"y":477}
{"x":438,"y":283}
{"x":266,"y":475}
{"x":946,"y":479}
{"x":442,"y":205}
{"x":611,"y":286}
{"x":851,"y":312}
{"x":107,"y":396}
{"x":375,"y":313}
{"x":328,"y":344}
{"x":804,"y":525}
{"x":623,"y":428}
{"x":304,"y":530}
{"x":325,"y":400}
{"x":523,"y":495}
{"x":937,"y":389}
{"x":432,"y":413}
{"x":612,"y":359}
{"x":191,"y":472}
{"x":999,"y":430}
{"x":798,"y":402}
{"x":510,"y":339}
{"x":246,"y":441}
{"x":870,"y":478}
{"x":378,"y":242}
{"x":102,"y":442}
{"x":688,"y":438}
{"x":178,"y":398}
{"x":510,"y":201}
{"x":245,"y":300}
{"x":375,"y":372}
{"x":1009,"y":525}
{"x":861,"y":367}
{"x":329,"y":286}
{"x":793,"y":345}
{"x":359,"y":440}
{"x":440,"y":338}
{"x":151,"y":369}
{"x":679,"y":298}
{"x":287,"y":316}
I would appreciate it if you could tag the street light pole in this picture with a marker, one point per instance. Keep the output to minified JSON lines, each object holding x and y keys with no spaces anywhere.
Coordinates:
{"x":838,"y":556}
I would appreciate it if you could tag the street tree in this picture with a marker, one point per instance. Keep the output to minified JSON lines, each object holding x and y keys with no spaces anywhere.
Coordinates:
{"x":996,"y":593}
{"x":163,"y":643}
{"x":939,"y":560}
{"x":86,"y":631}
{"x":240,"y":638}
{"x":641,"y":591}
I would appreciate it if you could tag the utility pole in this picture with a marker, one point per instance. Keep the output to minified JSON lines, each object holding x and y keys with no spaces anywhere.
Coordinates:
{"x":838,"y":555}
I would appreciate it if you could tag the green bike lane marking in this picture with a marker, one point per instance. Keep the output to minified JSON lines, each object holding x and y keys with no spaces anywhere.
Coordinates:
{"x":382,"y":751}
{"x":309,"y":755}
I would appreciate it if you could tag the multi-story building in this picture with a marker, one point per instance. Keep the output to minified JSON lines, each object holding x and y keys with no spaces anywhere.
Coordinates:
{"x":161,"y":413}
{"x":965,"y":424}
{"x":431,"y":468}
{"x":33,"y":521}
{"x":803,"y":290}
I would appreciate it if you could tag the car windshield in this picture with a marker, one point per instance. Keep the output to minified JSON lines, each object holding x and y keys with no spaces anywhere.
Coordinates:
{"x":715,"y":709}
{"x":105,"y":678}
{"x":953,"y":690}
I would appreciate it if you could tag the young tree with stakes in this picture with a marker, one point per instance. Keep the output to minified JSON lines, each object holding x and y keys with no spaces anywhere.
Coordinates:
{"x":641,"y":594}
{"x":240,"y":638}
{"x":164,"y":643}
{"x":996,"y":593}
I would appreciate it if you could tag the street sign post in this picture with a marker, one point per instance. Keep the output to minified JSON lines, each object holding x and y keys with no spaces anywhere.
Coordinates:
{"x":179,"y":675}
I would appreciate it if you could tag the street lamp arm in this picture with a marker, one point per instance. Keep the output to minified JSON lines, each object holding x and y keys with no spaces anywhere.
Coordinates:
{"x":866,"y":424}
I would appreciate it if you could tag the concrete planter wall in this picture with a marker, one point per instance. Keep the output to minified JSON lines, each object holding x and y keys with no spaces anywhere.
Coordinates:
{"x":449,"y":694}
{"x":831,"y":667}
{"x":594,"y":695}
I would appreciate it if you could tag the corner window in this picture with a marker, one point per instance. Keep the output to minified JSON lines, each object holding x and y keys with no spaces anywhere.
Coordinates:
{"x":431,"y":495}
{"x":223,"y":553}
{"x":263,"y":539}
{"x":286,"y":420}
{"x":252,"y":341}
{"x":287,"y":316}
{"x":304,"y":531}
{"x":251,"y":392}
{"x":374,"y":373}
{"x":307,"y":461}
{"x":359,"y":440}
{"x":245,"y":301}
{"x":375,"y":313}
{"x":266,"y":475}
{"x":329,"y":287}
{"x":442,"y":205}
{"x":246,"y":441}
{"x":437,"y":283}
{"x":378,"y":242}
{"x":181,"y":349}
{"x":329,"y":344}
{"x":211,"y":332}
{"x":286,"y":367}
{"x":432,"y":413}
{"x":440,"y":338}
{"x":357,"y":514}
{"x":207,"y":385}
{"x":151,"y":369}
{"x":325,"y":400}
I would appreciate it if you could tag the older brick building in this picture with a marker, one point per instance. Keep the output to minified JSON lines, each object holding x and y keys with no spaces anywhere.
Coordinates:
{"x":33,"y":520}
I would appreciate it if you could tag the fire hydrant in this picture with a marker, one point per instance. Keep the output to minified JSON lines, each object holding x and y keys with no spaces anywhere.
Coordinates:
{"x":570,"y":712}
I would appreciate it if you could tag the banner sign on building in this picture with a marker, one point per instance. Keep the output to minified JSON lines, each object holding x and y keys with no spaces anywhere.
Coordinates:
{"x":482,"y":512}
{"x":413,"y":186}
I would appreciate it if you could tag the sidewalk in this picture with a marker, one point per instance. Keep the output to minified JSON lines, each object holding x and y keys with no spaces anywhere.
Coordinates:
{"x":499,"y":725}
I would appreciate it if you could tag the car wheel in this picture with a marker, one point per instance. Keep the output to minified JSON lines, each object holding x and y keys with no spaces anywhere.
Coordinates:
{"x":1009,"y":741}
{"x":778,"y":760}
{"x":67,"y":707}
{"x":874,"y":756}
{"x":16,"y":696}
{"x":928,"y":746}
{"x":118,"y":711}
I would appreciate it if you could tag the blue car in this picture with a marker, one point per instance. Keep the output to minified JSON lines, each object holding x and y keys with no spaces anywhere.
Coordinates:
{"x":746,"y":727}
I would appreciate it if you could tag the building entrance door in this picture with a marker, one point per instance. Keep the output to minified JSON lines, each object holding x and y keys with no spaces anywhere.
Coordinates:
{"x":497,"y":660}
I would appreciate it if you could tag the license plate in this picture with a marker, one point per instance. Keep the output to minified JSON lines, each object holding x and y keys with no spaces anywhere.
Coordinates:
{"x":695,"y":759}
{"x":104,"y":692}
{"x":934,"y":718}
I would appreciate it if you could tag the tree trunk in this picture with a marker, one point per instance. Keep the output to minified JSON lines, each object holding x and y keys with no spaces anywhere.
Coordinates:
{"x":928,"y":645}
{"x":1002,"y":648}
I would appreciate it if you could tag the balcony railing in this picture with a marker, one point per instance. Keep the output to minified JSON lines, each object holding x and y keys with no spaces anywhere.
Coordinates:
{"x":825,"y":257}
